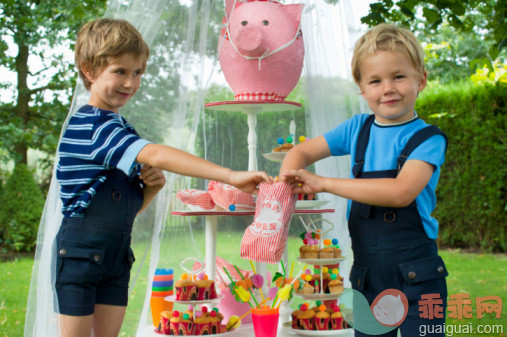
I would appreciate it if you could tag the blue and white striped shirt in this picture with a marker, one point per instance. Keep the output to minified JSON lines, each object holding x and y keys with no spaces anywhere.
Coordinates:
{"x":95,"y":141}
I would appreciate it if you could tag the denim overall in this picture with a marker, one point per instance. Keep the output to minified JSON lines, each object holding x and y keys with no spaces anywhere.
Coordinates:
{"x":93,"y":252}
{"x":391,"y":249}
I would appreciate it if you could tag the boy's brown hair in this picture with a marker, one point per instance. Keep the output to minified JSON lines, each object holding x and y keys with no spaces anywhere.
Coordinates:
{"x":101,"y":41}
{"x":387,"y":37}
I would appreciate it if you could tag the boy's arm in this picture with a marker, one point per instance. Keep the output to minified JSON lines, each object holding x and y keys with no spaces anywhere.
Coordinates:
{"x":387,"y":192}
{"x":304,"y":154}
{"x":177,"y":161}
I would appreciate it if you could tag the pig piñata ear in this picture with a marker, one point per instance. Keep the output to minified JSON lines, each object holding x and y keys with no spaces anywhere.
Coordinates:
{"x":229,"y":5}
{"x":294,"y":11}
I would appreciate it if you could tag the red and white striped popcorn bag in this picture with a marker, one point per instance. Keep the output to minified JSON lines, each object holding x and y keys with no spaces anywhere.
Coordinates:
{"x":225,"y":195}
{"x":265,"y":239}
{"x":196,"y":200}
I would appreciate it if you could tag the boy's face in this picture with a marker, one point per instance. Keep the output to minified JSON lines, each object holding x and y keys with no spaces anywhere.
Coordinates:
{"x":117,"y":83}
{"x":390,"y":85}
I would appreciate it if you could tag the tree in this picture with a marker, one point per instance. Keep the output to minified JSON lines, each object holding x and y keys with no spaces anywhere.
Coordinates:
{"x":41,"y":32}
{"x":483,"y":18}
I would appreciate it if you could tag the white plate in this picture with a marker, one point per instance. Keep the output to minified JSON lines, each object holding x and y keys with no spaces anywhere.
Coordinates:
{"x":172,"y":298}
{"x":321,"y":262}
{"x":288,"y":326}
{"x":319,"y":296}
{"x":216,"y":334}
{"x":275,"y":156}
{"x":302,"y":204}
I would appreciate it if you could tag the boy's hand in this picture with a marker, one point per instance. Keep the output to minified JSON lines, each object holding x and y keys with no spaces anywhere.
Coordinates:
{"x":303,"y":181}
{"x":247,"y":181}
{"x":152,"y":177}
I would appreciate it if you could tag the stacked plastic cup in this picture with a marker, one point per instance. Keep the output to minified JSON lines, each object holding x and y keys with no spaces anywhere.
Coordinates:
{"x":161,"y":287}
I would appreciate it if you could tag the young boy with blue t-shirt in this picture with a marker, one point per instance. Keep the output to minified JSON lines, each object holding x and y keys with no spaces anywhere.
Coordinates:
{"x":396,"y":160}
{"x":108,"y":174}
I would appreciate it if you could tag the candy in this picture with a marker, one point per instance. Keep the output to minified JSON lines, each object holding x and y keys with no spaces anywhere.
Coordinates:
{"x":318,"y":303}
{"x":244,"y":295}
{"x":284,"y":293}
{"x":257,"y":281}
{"x":233,"y":323}
{"x":176,"y":313}
{"x":198,"y":314}
{"x":184,"y":276}
{"x":290,"y":139}
{"x":308,"y":236}
{"x":272,"y":292}
{"x":215,"y":310}
{"x":325,"y":269}
{"x":335,"y":271}
{"x":308,"y":272}
{"x":280,"y":141}
{"x":333,"y":276}
{"x":327,"y":242}
{"x":201,"y":276}
{"x":190,"y":307}
{"x":322,"y":307}
{"x":303,"y":307}
{"x":204,"y":309}
{"x":302,"y":139}
{"x":186,"y":316}
{"x":213,"y":313}
{"x":305,"y":241}
{"x":335,"y":241}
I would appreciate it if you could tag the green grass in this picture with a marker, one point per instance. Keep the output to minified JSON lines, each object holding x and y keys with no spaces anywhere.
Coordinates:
{"x":473,"y":273}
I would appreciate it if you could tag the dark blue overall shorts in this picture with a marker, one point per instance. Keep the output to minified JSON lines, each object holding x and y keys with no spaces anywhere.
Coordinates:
{"x":93,"y":252}
{"x":391,"y":249}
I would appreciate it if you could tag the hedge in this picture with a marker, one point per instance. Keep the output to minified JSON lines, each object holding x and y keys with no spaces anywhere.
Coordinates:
{"x":471,"y":200}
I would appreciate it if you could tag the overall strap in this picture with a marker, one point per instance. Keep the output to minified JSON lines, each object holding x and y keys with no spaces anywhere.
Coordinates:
{"x":417,"y":139}
{"x":362,"y":144}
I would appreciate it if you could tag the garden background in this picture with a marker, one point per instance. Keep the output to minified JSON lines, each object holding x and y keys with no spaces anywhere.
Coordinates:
{"x":464,"y":44}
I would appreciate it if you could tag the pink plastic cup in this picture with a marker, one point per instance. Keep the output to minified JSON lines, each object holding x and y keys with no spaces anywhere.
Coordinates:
{"x":265,"y":322}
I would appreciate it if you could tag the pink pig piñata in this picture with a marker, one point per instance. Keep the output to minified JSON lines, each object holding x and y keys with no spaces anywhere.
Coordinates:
{"x":261,"y":48}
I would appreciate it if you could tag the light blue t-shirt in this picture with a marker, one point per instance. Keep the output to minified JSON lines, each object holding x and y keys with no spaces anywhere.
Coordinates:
{"x":385,"y":145}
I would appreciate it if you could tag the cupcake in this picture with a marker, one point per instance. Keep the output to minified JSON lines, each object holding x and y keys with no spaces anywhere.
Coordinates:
{"x":326,"y":253}
{"x":307,"y":289}
{"x":294,"y":319}
{"x":216,"y":322}
{"x":313,"y":253}
{"x":336,"y":286}
{"x":202,"y":324}
{"x":322,"y":319}
{"x":337,"y":252}
{"x":180,"y":325}
{"x":186,"y":289}
{"x":303,"y":250}
{"x":164,"y":326}
{"x":336,"y":319}
{"x":203,"y":289}
{"x":305,"y":319}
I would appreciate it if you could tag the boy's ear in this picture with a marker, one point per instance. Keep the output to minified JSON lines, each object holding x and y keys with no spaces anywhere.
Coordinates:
{"x":423,"y":80}
{"x":87,"y":71}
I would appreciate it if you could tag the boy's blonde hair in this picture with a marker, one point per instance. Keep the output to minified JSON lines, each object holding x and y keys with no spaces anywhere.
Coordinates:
{"x":387,"y":37}
{"x":100,"y":41}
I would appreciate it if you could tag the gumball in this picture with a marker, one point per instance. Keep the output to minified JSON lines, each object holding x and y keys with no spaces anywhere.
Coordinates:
{"x":201,"y":276}
{"x":289,"y":139}
{"x":303,"y":307}
{"x":232,"y":207}
{"x":213,"y":313}
{"x":335,"y":241}
{"x":184,"y":276}
{"x":327,"y":242}
{"x":308,"y":236}
{"x":190,"y":308}
{"x":318,"y":303}
{"x":325,"y":269}
{"x":305,"y":241}
{"x":204,"y":309}
{"x":280,"y":141}
{"x":198,"y":314}
{"x":185,"y":316}
{"x":308,"y":272}
{"x":302,"y":139}
{"x":322,"y":307}
{"x":335,"y":271}
{"x":215,"y":310}
{"x":333,"y":276}
{"x":176,"y":313}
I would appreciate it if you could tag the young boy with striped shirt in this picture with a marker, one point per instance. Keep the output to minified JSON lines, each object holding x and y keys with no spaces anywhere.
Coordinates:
{"x":102,"y":165}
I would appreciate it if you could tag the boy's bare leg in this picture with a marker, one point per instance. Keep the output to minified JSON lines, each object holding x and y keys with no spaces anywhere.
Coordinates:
{"x":107,"y":320}
{"x":76,"y":326}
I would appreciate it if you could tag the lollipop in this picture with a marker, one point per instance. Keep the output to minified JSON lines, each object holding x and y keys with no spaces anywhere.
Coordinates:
{"x":233,"y":323}
{"x":244,"y":295}
{"x":280,"y":140}
{"x":302,"y":139}
{"x":257,"y":281}
{"x":272,"y":292}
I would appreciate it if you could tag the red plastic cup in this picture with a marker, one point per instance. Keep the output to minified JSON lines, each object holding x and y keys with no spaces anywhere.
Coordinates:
{"x":265,"y":322}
